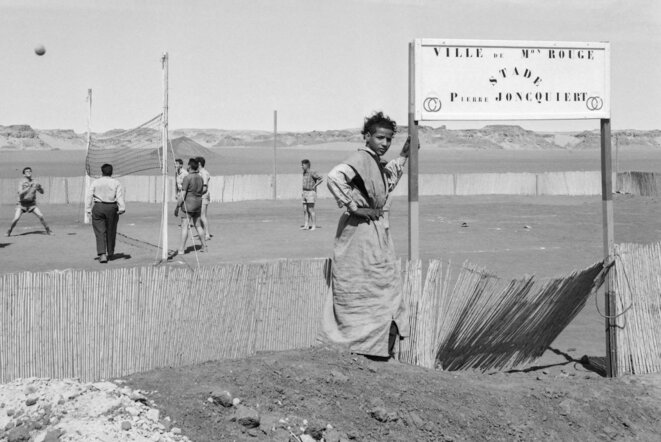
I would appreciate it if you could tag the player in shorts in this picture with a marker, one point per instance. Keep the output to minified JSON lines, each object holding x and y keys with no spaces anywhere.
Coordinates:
{"x":179,"y":175}
{"x":27,"y":200}
{"x":311,"y":180}
{"x":206,"y":198}
{"x":189,"y":205}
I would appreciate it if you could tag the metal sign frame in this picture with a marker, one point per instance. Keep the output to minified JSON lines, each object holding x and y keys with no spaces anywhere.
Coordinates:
{"x":415,"y":115}
{"x":483,"y":60}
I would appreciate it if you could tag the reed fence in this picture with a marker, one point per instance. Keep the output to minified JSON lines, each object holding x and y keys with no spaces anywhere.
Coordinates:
{"x":471,"y":319}
{"x":104,"y":324}
{"x":234,"y":188}
{"x":637,"y":287}
{"x":639,"y":183}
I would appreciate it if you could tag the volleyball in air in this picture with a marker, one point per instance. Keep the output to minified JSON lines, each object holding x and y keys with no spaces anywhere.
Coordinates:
{"x":40,"y":50}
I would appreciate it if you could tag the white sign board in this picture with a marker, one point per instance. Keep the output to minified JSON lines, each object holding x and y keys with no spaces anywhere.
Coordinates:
{"x":510,"y":80}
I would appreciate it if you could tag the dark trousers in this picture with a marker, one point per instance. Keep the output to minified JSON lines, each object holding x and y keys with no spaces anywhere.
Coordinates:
{"x":104,"y":224}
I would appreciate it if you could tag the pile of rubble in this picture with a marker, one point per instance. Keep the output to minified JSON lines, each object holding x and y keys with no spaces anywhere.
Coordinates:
{"x":50,"y":410}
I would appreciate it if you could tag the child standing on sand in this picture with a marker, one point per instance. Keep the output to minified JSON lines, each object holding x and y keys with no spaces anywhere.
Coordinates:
{"x":311,"y":180}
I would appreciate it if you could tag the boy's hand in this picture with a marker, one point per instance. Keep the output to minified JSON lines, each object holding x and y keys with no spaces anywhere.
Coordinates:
{"x":407,"y":147}
{"x":176,"y":211}
{"x":368,"y":214}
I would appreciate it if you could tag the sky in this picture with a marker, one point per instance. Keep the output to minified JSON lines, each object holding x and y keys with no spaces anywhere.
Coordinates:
{"x":322,"y":64}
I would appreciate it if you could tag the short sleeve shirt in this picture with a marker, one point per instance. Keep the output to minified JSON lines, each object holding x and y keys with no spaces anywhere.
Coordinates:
{"x":192,"y":187}
{"x":30,"y":197}
{"x":180,"y":179}
{"x":310,"y":179}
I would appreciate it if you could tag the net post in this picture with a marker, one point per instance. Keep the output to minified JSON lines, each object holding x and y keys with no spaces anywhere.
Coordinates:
{"x":275,"y":157}
{"x":414,"y":225}
{"x":87,"y":181}
{"x":608,"y":237}
{"x":164,"y":137}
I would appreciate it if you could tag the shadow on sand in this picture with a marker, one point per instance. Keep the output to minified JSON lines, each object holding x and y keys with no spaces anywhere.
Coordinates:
{"x":115,"y":257}
{"x":589,"y":363}
{"x":189,"y":250}
{"x":33,"y":232}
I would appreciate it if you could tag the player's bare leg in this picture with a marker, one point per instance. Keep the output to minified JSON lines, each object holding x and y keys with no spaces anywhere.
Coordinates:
{"x":305,"y":217}
{"x":17,"y":216}
{"x":184,"y":235}
{"x":200,"y":233}
{"x":204,"y":221}
{"x":40,"y":215}
{"x":313,"y":216}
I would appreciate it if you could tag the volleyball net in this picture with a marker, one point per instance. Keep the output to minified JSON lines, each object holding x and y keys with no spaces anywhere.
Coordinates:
{"x":128,"y":151}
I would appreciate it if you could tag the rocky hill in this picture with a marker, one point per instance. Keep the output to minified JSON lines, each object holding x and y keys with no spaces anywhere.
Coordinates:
{"x":21,"y":137}
{"x":505,"y":137}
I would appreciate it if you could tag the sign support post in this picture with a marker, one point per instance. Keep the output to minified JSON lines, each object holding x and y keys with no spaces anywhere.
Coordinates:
{"x":608,"y":234}
{"x":414,"y":209}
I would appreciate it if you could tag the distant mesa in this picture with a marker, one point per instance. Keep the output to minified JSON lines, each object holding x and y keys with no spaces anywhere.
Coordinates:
{"x":195,"y":142}
{"x":21,"y":137}
{"x":18,"y":131}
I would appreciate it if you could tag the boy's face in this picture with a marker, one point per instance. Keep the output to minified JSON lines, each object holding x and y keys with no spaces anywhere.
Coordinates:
{"x":379,"y":141}
{"x":27,"y":173}
{"x":305,"y":167}
{"x":178,"y":166}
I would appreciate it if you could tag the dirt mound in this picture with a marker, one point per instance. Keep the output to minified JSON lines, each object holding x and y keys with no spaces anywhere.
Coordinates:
{"x":184,"y":148}
{"x":309,"y":394}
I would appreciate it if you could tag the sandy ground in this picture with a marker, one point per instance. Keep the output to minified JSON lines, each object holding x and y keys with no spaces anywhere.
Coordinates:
{"x":298,"y":395}
{"x":511,"y":235}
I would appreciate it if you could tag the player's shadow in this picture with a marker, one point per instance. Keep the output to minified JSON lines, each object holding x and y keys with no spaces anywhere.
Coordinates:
{"x":32,"y":232}
{"x":192,"y":249}
{"x":4,"y":244}
{"x":118,"y":256}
